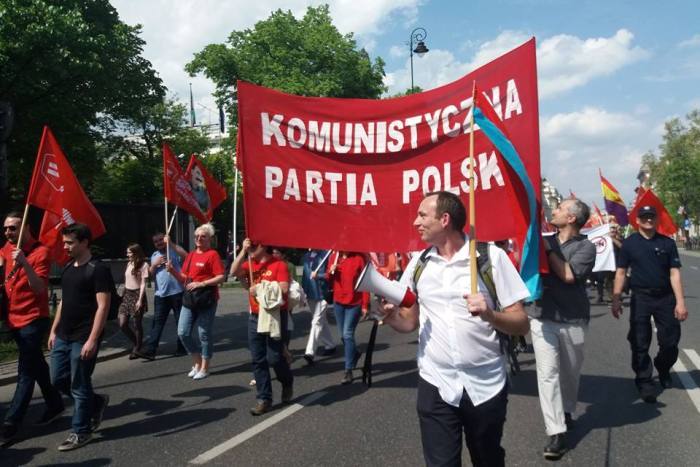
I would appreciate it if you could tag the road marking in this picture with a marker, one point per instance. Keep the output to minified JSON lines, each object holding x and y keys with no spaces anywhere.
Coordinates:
{"x":688,"y":382}
{"x":254,"y":430}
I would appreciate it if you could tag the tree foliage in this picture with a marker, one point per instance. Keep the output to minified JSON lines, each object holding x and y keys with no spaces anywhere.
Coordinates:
{"x":676,"y":172}
{"x":71,"y":64}
{"x":305,"y":56}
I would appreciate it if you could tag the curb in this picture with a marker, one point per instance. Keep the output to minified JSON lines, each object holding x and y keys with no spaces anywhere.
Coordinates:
{"x":8,"y":370}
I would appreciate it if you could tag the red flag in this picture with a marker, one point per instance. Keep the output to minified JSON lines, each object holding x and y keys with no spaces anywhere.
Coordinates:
{"x":665,"y":225}
{"x":55,"y":189}
{"x":50,"y":236}
{"x":207,"y":190}
{"x":176,"y":187}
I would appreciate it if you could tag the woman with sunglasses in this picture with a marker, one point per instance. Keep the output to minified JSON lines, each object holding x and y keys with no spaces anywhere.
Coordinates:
{"x":201,"y":275}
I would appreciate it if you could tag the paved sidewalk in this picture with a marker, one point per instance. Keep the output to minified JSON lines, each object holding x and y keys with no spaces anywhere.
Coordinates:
{"x":693,"y":253}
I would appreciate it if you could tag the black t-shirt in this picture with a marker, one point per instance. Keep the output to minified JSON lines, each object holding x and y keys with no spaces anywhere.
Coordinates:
{"x":79,"y":303}
{"x":651,"y":260}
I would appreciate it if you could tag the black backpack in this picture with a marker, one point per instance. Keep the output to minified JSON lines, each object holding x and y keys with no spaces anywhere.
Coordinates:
{"x":115,"y":299}
{"x":485,"y":270}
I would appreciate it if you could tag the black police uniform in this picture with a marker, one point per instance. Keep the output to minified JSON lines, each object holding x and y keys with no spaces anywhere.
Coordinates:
{"x":651,"y":261}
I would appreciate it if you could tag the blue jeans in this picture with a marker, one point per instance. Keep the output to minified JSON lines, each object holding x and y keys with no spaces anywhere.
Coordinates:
{"x":267,"y":352}
{"x":161,"y":311}
{"x":31,"y":368}
{"x":205,"y":320}
{"x":347,"y":317}
{"x":73,"y":376}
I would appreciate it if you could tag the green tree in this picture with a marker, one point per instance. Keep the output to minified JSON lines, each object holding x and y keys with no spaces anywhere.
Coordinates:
{"x":305,"y":56}
{"x":71,"y":64}
{"x":676,"y":172}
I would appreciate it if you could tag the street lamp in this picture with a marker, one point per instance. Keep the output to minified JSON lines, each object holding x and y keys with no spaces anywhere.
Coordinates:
{"x":418,"y":35}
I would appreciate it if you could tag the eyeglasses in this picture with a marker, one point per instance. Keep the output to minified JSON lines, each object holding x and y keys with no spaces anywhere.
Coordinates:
{"x":11,"y":228}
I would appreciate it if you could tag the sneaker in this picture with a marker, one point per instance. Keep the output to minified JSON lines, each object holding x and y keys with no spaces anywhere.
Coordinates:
{"x":347,"y":378}
{"x":665,"y":380}
{"x":648,"y":393}
{"x":8,"y":432}
{"x":287,"y":394}
{"x":556,"y":447}
{"x":309,"y":360}
{"x":98,"y":412}
{"x":261,"y":407}
{"x":201,"y":374}
{"x":328,"y":352}
{"x":252,"y":382}
{"x":50,"y":415}
{"x":150,"y":356}
{"x":74,"y":441}
{"x":193,"y":372}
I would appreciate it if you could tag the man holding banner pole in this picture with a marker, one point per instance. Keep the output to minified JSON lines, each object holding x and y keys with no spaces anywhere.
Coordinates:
{"x":462,"y":374}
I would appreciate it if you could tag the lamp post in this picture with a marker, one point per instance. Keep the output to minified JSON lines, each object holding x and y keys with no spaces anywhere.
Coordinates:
{"x":418,"y":35}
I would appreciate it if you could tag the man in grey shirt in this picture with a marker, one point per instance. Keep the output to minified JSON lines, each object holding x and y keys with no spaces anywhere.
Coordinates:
{"x":559,"y":320}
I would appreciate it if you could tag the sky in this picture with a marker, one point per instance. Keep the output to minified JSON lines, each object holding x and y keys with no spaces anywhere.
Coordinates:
{"x":610,"y":73}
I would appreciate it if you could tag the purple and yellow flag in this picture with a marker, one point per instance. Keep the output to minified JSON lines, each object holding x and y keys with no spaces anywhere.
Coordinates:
{"x":613,"y":201}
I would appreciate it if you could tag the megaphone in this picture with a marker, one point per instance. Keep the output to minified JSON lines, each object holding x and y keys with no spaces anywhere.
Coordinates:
{"x":372,"y":281}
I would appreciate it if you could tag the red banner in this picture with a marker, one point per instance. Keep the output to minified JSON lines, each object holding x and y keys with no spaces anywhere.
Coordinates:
{"x":56,"y":189}
{"x":349,"y":173}
{"x":176,"y":188}
{"x":207,"y":190}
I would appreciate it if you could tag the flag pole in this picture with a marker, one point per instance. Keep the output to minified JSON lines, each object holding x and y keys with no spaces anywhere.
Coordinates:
{"x":172,"y":219}
{"x":167,"y":230}
{"x":235,"y":207}
{"x":325,"y":258}
{"x":21,"y":228}
{"x":472,"y":204}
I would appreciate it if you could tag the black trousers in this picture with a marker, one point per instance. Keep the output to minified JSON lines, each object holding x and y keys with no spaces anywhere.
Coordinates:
{"x":668,"y":333}
{"x":441,"y":427}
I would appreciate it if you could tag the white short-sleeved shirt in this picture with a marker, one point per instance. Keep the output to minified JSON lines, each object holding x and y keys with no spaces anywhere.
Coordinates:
{"x":458,"y":351}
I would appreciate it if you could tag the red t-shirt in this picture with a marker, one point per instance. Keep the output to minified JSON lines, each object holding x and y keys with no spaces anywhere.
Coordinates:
{"x":24,"y":305}
{"x":273,"y":270}
{"x":343,"y":280}
{"x":203,"y":266}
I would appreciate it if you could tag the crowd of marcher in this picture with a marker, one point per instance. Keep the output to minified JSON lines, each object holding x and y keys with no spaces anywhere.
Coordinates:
{"x":462,"y":384}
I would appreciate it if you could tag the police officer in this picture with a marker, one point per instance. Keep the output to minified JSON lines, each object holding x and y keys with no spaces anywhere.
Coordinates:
{"x":656,"y":291}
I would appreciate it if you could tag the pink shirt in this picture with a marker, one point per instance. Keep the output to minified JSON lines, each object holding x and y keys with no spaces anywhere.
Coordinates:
{"x":132,"y":282}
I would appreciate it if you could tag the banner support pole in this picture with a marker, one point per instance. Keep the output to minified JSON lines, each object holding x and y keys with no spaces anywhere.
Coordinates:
{"x":472,"y":205}
{"x":167,"y":231}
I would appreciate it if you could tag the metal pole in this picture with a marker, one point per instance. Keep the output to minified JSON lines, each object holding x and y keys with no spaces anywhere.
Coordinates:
{"x":410,"y":49}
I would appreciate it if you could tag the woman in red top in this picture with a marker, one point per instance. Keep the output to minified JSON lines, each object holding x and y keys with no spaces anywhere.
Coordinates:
{"x":345,"y":267}
{"x":202,"y":268}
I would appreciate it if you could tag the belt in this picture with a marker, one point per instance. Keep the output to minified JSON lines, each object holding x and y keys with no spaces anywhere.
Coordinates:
{"x":652,"y":291}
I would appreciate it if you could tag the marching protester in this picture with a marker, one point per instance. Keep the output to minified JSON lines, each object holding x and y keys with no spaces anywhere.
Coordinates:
{"x":462,"y":373}
{"x":559,"y":321}
{"x":349,"y":305}
{"x":201,"y":275}
{"x":167,"y":296}
{"x":134,"y":303}
{"x":74,"y":340}
{"x":25,"y":283}
{"x":657,"y":292}
{"x":267,"y":280}
{"x":314,"y":265}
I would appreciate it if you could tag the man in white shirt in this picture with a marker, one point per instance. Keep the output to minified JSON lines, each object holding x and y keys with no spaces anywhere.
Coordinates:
{"x":462,"y":373}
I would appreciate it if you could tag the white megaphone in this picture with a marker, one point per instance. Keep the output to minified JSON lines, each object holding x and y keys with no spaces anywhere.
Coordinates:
{"x":393,"y":292}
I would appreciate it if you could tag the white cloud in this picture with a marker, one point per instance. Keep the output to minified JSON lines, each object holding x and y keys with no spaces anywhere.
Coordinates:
{"x":564,"y":62}
{"x":397,"y":52}
{"x":692,"y":42}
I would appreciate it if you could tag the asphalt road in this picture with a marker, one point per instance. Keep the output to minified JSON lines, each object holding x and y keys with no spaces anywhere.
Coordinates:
{"x":158,"y":416}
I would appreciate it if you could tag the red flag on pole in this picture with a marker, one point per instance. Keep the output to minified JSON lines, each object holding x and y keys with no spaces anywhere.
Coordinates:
{"x":56,"y":189}
{"x":207,"y":190}
{"x":665,"y":224}
{"x":50,"y":236}
{"x":176,"y":187}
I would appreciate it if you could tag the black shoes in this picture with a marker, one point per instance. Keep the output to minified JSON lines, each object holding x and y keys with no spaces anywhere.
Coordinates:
{"x":347,"y":378}
{"x":309,"y":360}
{"x":665,"y":380}
{"x":556,"y":447}
{"x":328,"y":352}
{"x":145,"y":355}
{"x":101,"y":402}
{"x":7,"y":432}
{"x":261,"y":407}
{"x":648,"y":393}
{"x":50,"y":415}
{"x":179,"y":353}
{"x":287,"y":394}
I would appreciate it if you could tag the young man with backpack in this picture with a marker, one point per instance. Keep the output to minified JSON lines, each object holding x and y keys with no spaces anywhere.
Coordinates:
{"x":462,"y":372}
{"x":86,"y":290}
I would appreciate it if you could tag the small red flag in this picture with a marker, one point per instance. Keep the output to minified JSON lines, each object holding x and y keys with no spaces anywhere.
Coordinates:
{"x":50,"y":236}
{"x":665,"y":225}
{"x":207,"y":190}
{"x":176,"y":187}
{"x":56,"y":189}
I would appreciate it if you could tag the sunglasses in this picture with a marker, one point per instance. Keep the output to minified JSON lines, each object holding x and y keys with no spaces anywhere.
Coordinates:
{"x":11,"y":228}
{"x":647,"y":218}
